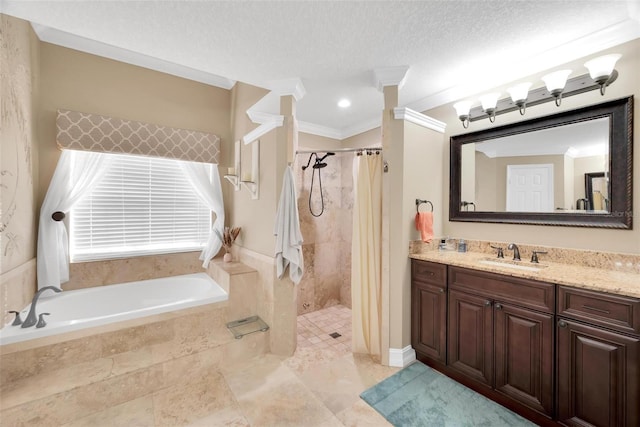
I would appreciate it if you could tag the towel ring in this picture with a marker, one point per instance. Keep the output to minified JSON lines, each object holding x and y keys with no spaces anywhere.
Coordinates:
{"x":419,"y":202}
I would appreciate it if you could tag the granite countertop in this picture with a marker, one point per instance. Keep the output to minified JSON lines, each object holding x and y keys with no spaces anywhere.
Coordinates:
{"x":594,"y":279}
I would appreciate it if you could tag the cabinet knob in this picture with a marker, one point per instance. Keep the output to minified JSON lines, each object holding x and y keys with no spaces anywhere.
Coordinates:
{"x":487,"y":303}
{"x":441,"y":290}
{"x":498,"y":306}
{"x":562,"y":324}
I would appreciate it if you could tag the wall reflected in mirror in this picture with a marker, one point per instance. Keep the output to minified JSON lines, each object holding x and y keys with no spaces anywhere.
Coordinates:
{"x":562,"y":169}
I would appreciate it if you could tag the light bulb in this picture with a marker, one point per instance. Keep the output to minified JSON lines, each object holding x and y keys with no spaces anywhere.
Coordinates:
{"x":489,"y":102}
{"x":519,"y":92}
{"x":601,"y":69}
{"x":555,"y":83}
{"x":602,"y":66}
{"x":462,"y":110}
{"x":556,"y":80}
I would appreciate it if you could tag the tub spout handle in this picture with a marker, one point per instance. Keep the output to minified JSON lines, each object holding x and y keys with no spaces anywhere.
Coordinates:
{"x":41,"y":323}
{"x":17,"y":321}
{"x":31,"y":317}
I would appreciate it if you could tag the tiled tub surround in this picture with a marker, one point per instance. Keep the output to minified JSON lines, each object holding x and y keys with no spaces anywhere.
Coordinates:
{"x":147,"y":366}
{"x":598,"y":271}
{"x":99,"y":273}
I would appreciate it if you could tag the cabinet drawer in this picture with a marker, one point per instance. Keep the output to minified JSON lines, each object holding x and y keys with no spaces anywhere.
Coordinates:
{"x":522,"y":292}
{"x":613,"y":311}
{"x":429,"y":272}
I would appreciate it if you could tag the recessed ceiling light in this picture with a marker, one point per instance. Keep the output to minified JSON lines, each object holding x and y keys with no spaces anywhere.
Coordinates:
{"x":344,"y":103}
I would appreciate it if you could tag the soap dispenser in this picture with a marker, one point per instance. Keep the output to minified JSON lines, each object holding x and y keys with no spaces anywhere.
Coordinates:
{"x":462,"y":246}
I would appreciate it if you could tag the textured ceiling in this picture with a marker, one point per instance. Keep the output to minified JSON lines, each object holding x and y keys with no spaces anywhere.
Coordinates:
{"x":453,"y":48}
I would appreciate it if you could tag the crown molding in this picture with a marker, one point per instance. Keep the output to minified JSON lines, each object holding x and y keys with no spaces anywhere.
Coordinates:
{"x":420,"y":119}
{"x":267,"y":122}
{"x":314,"y":129}
{"x":261,"y":118}
{"x":286,"y":87}
{"x":390,"y":76}
{"x":71,"y":41}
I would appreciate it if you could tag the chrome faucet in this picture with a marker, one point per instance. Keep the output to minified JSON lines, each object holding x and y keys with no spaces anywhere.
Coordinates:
{"x":516,"y":251}
{"x":32,"y":318}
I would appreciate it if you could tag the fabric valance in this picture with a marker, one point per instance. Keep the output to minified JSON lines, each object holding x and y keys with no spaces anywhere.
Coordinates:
{"x":93,"y":132}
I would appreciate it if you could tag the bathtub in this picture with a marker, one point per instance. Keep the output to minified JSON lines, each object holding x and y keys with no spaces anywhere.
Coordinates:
{"x":85,"y":308}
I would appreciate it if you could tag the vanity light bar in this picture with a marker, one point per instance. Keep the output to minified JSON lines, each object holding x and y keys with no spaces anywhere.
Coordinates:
{"x":541,"y":95}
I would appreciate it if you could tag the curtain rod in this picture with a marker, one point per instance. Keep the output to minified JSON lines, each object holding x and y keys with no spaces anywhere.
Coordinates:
{"x":340,"y":150}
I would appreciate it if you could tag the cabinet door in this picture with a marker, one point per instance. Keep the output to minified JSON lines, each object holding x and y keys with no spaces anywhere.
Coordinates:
{"x":471,"y":336}
{"x":598,"y":376}
{"x":428,"y":331}
{"x":524,"y":356}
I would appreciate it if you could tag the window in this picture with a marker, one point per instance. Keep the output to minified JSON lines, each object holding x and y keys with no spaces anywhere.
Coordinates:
{"x":142,"y":206}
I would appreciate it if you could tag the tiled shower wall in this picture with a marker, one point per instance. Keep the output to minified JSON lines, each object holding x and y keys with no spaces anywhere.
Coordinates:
{"x":327,"y":238}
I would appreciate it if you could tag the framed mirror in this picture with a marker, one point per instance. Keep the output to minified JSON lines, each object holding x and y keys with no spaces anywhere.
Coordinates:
{"x":568,"y":169}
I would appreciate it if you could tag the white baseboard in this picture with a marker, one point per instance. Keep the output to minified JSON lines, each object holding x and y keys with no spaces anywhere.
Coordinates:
{"x":401,"y":357}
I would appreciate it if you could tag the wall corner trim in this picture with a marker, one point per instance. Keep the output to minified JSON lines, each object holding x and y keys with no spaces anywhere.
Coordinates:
{"x":404,"y":113}
{"x":390,"y":76}
{"x":267,"y":122}
{"x":401,"y":357}
{"x":284,"y":87}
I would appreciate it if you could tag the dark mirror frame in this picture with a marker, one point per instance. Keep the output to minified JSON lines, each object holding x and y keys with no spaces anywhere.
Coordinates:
{"x":588,"y":185}
{"x":620,"y":113}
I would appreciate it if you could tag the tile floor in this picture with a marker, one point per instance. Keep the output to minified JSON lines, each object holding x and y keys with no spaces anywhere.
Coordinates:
{"x":318,"y":386}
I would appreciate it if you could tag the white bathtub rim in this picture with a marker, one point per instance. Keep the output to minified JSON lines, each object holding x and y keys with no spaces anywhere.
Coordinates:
{"x":20,"y":335}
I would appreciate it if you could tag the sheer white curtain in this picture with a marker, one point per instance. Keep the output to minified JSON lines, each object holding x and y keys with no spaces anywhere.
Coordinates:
{"x":209,"y":190}
{"x":366,"y":255}
{"x":77,"y":172}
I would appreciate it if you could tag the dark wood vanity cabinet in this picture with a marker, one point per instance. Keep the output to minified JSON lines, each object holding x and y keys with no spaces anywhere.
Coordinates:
{"x":498,"y":338}
{"x":429,"y":311}
{"x":554,"y":354}
{"x":598,"y":358}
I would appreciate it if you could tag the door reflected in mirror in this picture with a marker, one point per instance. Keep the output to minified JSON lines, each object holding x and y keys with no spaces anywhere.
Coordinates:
{"x":540,"y":171}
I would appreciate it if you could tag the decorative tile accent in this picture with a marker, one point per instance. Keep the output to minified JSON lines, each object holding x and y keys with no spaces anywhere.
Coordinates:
{"x":92,"y":132}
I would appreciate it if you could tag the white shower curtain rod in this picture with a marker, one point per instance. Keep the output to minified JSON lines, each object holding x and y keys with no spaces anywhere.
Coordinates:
{"x":340,"y":150}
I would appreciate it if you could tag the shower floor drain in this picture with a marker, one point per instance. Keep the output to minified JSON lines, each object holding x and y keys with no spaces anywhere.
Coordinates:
{"x":334,"y":335}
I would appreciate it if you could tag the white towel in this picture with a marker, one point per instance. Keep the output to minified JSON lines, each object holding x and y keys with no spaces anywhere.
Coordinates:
{"x":287,"y":231}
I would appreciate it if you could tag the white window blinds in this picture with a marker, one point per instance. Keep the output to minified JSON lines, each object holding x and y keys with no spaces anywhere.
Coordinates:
{"x":142,"y":206}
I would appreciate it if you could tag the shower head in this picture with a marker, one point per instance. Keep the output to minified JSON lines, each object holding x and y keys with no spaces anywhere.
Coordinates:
{"x":329,"y":153}
{"x":319,"y":164}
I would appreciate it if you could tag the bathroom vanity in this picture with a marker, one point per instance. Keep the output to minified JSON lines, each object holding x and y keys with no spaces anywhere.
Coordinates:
{"x":554,"y":351}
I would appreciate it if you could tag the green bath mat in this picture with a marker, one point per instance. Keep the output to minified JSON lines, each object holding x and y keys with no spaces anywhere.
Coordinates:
{"x":420,"y":396}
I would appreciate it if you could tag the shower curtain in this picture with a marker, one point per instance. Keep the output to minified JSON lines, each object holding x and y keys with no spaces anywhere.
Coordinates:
{"x":366,"y":258}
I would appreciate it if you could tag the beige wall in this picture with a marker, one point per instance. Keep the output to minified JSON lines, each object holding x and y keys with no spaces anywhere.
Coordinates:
{"x":485,"y":184}
{"x":582,"y":165}
{"x":370,"y":138}
{"x":307,"y":141}
{"x":19,"y":81}
{"x":256,"y":217}
{"x":82,"y":82}
{"x":628,"y":241}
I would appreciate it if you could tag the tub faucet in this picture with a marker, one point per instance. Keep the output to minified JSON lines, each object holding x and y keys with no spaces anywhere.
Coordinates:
{"x":32,"y":318}
{"x":516,"y":251}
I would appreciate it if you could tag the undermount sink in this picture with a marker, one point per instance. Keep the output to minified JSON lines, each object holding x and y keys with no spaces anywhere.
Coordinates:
{"x":511,"y":264}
